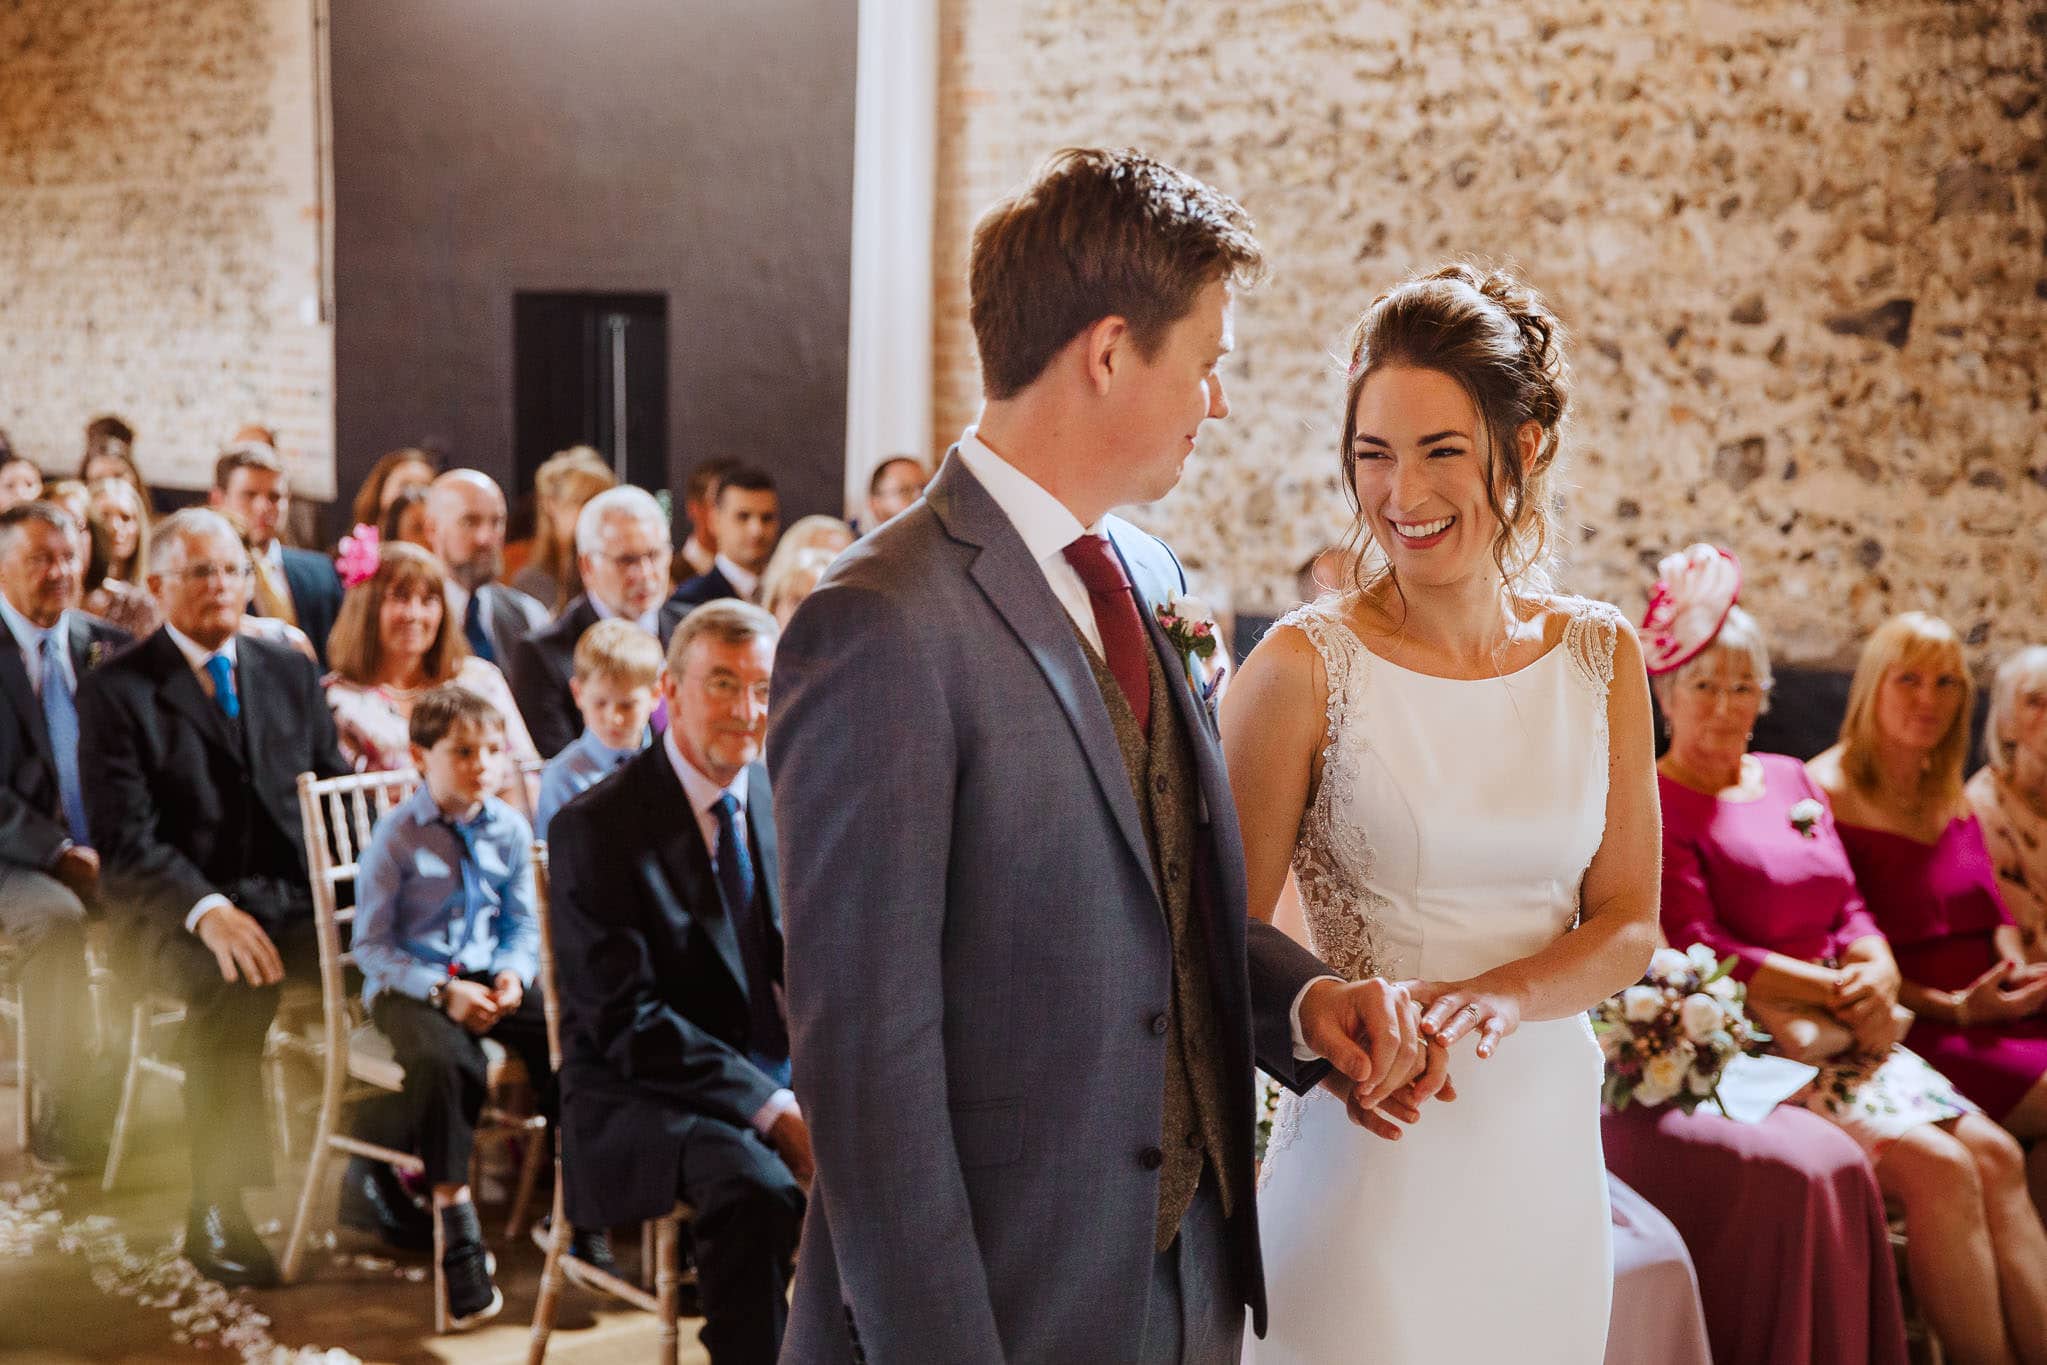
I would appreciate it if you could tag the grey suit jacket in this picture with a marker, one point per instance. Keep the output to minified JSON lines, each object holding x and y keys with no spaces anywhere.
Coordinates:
{"x":978,"y":959}
{"x":509,"y":616}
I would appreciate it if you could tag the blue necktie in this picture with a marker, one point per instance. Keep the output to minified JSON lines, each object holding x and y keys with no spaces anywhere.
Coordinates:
{"x":768,"y":1036}
{"x":223,"y":674}
{"x":60,"y":717}
{"x":473,"y":631}
{"x":459,"y":935}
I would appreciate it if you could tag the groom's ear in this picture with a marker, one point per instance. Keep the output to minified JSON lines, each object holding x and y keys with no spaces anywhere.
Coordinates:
{"x":1106,"y":350}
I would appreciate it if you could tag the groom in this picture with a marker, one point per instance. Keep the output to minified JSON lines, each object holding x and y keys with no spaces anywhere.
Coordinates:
{"x":1024,"y":999}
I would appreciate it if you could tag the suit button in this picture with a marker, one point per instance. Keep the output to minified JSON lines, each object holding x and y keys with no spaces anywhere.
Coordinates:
{"x":1151,"y":1158}
{"x":1159,"y":1024}
{"x":1158,"y":784}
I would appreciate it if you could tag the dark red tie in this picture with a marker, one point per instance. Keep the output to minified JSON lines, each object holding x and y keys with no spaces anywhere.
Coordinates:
{"x":1116,"y":617}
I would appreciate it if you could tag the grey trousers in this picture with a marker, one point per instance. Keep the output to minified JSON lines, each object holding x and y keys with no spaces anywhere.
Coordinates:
{"x":1194,"y":1316}
{"x":42,"y":917}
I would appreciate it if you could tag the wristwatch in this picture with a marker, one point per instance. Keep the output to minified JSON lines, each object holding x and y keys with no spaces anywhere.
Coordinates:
{"x":437,"y":994}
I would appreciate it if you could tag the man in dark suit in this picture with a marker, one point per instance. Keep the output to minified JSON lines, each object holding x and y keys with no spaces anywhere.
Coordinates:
{"x":622,"y":548}
{"x":49,"y":871}
{"x":193,"y":743}
{"x":675,"y":1050}
{"x":465,"y":526}
{"x":746,"y":514}
{"x":299,"y":586}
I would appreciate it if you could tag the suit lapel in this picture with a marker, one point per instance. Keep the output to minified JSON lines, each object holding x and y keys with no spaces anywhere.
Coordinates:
{"x":679,"y":848}
{"x":79,"y":640}
{"x":760,"y":822}
{"x":1194,"y":717}
{"x":1015,"y":586}
{"x":182,"y":693}
{"x":21,"y":694}
{"x":263,"y":687}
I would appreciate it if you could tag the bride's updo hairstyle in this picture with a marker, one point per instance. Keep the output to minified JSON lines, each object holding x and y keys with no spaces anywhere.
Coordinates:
{"x":1496,"y":337}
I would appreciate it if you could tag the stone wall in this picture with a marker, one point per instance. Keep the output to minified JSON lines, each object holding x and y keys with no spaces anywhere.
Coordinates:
{"x":160,"y":230}
{"x":1799,"y":245}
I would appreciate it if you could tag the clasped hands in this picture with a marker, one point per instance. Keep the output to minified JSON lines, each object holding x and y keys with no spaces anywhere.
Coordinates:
{"x":1390,"y":1041}
{"x":2007,"y":992}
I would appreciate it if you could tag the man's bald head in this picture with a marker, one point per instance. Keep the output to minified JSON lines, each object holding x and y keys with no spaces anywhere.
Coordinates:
{"x":465,"y":525}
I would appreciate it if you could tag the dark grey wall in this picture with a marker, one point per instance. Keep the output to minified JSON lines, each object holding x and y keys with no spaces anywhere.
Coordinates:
{"x":702,"y":148}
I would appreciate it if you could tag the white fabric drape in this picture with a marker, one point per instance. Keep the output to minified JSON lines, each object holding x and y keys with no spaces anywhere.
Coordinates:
{"x":895,"y":160}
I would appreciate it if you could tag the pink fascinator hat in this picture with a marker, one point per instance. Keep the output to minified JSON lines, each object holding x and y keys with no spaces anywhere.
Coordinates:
{"x":1695,"y":589}
{"x":357,"y":556}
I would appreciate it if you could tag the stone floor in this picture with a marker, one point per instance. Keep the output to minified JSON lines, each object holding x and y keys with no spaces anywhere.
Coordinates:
{"x":101,"y":1286}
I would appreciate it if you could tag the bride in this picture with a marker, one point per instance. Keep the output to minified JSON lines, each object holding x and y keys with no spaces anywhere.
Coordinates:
{"x":1456,"y":765}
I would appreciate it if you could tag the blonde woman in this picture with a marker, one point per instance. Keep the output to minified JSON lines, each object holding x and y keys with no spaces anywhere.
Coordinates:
{"x":393,"y":642}
{"x":1895,"y":783}
{"x":561,"y":486}
{"x":117,"y":522}
{"x":805,"y":551}
{"x":2009,"y":793}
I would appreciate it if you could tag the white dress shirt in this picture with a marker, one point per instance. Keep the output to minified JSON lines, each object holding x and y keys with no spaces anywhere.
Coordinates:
{"x":650,"y":622}
{"x":28,"y":638}
{"x":1047,"y":528}
{"x":704,"y":795}
{"x":196,"y":655}
{"x":747,"y":585}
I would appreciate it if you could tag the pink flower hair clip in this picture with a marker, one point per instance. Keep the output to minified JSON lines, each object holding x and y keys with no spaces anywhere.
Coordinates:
{"x":358,"y":555}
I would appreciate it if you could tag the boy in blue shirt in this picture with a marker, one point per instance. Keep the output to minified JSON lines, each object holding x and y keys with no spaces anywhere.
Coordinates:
{"x":449,"y":947}
{"x":616,"y":666}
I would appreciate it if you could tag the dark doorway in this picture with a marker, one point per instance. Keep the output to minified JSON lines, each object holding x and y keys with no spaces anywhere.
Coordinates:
{"x":591,"y":369}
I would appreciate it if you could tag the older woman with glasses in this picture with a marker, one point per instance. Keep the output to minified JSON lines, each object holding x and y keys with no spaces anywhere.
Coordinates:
{"x":2009,"y":793}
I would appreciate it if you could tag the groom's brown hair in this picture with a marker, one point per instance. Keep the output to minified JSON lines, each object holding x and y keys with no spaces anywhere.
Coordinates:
{"x":1098,"y":232}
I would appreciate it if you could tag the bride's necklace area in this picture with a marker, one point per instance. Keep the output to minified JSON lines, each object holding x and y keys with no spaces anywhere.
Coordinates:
{"x":1439,"y":658}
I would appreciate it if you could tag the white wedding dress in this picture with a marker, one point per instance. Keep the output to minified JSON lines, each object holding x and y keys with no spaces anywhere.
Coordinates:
{"x":1450,"y":834}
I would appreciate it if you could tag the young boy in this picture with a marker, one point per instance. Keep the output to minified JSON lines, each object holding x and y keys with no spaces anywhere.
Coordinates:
{"x":616,"y":665}
{"x":448,"y":945}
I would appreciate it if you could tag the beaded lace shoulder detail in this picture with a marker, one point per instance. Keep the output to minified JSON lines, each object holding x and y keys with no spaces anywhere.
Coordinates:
{"x":1333,"y":857}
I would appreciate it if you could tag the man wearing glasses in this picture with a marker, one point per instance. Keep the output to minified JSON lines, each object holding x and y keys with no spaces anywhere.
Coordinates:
{"x":623,"y":549}
{"x":675,"y":1043}
{"x":192,"y":743}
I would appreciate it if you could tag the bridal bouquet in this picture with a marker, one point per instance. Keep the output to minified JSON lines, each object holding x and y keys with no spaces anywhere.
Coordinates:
{"x":1670,"y":1038}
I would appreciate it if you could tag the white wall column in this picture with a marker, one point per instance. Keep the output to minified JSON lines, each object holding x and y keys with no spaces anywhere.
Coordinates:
{"x":895,"y":167}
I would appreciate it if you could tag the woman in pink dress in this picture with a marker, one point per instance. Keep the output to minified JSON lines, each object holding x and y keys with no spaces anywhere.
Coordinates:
{"x":1783,"y":1217}
{"x":2009,"y":793}
{"x":393,"y":640}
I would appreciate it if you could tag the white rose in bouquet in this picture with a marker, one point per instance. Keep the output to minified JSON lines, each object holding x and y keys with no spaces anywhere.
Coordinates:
{"x":1665,"y":1073}
{"x":1701,"y":1084}
{"x":1700,"y":1015}
{"x":1652,"y":1093}
{"x":1702,"y":959}
{"x":1725,"y":989}
{"x":1641,"y":1003}
{"x":1669,"y":966}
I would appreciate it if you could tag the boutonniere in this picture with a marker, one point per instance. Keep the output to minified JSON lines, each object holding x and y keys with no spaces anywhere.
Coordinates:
{"x":95,"y":655}
{"x":1191,"y":627}
{"x":1805,"y":817}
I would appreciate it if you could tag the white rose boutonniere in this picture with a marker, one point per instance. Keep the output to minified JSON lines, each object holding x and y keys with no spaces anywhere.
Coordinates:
{"x":1805,"y":817}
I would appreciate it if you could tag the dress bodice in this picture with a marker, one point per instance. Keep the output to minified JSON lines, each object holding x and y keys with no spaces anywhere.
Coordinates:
{"x":1454,"y":819}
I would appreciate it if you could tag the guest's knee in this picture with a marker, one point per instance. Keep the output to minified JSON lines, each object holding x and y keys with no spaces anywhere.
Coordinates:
{"x":2000,"y":1163}
{"x":43,"y":915}
{"x":768,"y":1200}
{"x":1929,"y":1168}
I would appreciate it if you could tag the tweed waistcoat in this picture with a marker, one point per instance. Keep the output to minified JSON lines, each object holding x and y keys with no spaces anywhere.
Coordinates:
{"x":1162,"y":776}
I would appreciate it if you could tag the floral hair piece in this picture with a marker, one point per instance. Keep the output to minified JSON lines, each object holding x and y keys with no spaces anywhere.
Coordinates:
{"x":1695,"y":589}
{"x":358,"y":555}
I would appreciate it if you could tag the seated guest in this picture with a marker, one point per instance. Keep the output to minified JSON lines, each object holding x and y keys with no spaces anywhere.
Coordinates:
{"x":298,"y":587}
{"x":75,"y":498}
{"x":119,"y":536}
{"x":746,"y":513}
{"x":110,"y":454}
{"x":395,"y":641}
{"x":192,"y":743}
{"x":561,"y":486}
{"x":699,"y":502}
{"x":675,"y":1047}
{"x":465,"y":526}
{"x":1753,"y":868}
{"x":617,"y":667}
{"x":49,"y":870}
{"x":405,"y":519}
{"x":1895,"y":779}
{"x":448,"y":945}
{"x":2009,"y":793}
{"x":896,"y":483}
{"x":394,"y":473}
{"x":622,"y":552}
{"x":20,"y":480}
{"x":791,"y":578}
